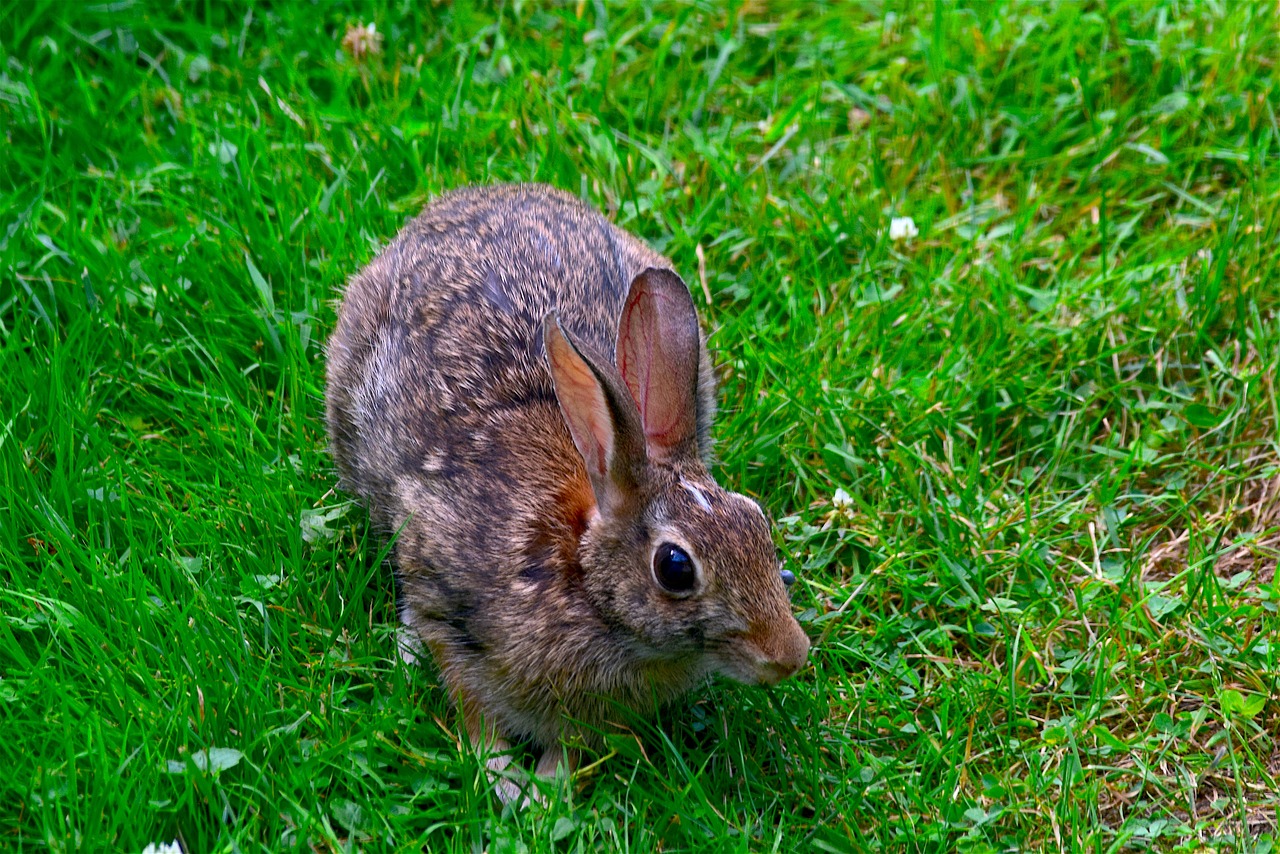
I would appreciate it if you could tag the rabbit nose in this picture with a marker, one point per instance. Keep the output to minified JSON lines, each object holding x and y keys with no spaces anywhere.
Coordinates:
{"x":786,"y":652}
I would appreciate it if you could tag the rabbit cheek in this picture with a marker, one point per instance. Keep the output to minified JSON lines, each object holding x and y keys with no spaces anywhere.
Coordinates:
{"x":663,"y":627}
{"x":678,"y":628}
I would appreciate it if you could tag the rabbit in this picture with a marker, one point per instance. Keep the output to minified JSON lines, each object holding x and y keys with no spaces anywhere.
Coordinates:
{"x":521,"y":394}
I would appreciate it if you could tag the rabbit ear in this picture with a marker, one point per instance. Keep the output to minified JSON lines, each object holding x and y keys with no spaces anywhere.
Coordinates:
{"x":659,"y":349}
{"x":601,"y":419}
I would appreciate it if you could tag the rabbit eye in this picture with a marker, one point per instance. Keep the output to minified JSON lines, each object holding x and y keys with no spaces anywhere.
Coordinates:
{"x":674,"y":569}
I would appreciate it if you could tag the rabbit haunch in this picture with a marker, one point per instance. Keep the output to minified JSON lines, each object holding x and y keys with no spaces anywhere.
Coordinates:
{"x":520,"y":390}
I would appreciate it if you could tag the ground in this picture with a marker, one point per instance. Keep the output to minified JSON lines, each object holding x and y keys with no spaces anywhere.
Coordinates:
{"x":1021,"y":450}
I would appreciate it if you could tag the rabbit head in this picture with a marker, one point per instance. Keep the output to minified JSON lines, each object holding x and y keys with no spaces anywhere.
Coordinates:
{"x":682,"y":569}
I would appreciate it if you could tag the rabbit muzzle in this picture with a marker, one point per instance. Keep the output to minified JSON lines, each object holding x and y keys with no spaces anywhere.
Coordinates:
{"x":771,"y":654}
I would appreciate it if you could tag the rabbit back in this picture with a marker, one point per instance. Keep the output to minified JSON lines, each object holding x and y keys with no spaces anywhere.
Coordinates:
{"x":441,"y":332}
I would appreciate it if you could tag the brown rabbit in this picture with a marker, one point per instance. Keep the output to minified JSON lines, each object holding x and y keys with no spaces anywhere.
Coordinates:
{"x":521,"y":391}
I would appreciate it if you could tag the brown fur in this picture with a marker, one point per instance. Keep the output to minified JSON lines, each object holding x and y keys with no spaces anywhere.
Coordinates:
{"x":525,"y":569}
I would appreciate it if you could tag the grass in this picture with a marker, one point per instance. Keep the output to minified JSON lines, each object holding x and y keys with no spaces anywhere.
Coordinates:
{"x":1024,"y":463}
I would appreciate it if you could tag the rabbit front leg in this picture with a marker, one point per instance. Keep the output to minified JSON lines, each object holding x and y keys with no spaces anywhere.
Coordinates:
{"x":505,"y":779}
{"x":556,"y":765}
{"x":510,"y":784}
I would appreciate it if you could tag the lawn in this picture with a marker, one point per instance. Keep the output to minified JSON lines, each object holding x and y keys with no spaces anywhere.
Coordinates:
{"x":1023,"y":461}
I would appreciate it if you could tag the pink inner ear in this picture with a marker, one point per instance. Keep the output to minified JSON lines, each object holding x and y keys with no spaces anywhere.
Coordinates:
{"x":583,"y":405}
{"x":660,"y":417}
{"x":655,"y":357}
{"x":591,"y":427}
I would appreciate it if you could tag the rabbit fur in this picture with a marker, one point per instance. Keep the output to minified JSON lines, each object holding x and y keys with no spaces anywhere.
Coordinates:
{"x":520,"y":394}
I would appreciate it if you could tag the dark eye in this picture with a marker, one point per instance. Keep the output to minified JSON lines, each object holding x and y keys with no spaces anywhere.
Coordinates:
{"x":674,"y":569}
{"x":788,"y":577}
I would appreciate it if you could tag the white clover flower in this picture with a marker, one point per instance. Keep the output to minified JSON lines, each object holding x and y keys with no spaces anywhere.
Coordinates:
{"x":902,"y":227}
{"x":163,"y":848}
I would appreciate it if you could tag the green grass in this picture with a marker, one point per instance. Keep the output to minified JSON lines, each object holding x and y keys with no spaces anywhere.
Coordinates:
{"x":1046,"y":616}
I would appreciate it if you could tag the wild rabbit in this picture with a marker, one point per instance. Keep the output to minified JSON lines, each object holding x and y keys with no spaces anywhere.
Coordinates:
{"x":520,"y":392}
